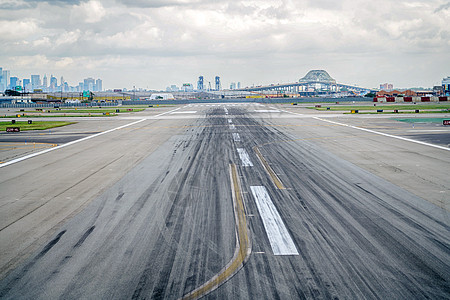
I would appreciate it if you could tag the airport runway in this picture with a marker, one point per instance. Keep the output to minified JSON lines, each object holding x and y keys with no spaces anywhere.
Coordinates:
{"x":228,"y":202}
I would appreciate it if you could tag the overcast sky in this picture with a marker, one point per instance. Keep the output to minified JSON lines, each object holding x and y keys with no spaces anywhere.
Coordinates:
{"x":156,"y":43}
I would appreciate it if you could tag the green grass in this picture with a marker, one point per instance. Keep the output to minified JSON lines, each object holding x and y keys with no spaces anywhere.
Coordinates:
{"x":36,"y":125}
{"x":85,"y":110}
{"x":423,"y":120}
{"x":402,"y":112}
{"x":386,"y":107}
{"x":57,"y":116}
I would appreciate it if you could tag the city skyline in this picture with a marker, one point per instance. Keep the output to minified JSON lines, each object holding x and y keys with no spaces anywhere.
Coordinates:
{"x":154,"y":44}
{"x":47,"y":83}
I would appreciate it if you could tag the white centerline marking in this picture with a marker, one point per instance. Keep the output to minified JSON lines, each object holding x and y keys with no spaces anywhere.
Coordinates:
{"x":236,"y":137}
{"x":243,"y":155}
{"x":279,"y":237}
{"x":230,"y":121}
{"x":77,"y":141}
{"x":385,"y":134}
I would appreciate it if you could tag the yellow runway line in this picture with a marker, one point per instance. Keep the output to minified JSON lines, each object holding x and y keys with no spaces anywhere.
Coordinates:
{"x":242,"y":252}
{"x":276,"y":181}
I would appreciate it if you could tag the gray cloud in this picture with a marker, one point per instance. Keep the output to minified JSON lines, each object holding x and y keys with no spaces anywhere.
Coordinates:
{"x":443,"y":7}
{"x":233,"y":38}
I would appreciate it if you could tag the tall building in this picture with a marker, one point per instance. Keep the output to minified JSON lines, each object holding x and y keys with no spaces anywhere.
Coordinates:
{"x":53,"y":83}
{"x":26,"y":83}
{"x":200,"y":86}
{"x":233,"y":86}
{"x":238,"y":85}
{"x":5,"y":78}
{"x":218,"y":87}
{"x":44,"y":82}
{"x":89,"y":84}
{"x":2,"y":88}
{"x":386,"y":86}
{"x":99,"y":85}
{"x":35,"y":82}
{"x":13,"y":82}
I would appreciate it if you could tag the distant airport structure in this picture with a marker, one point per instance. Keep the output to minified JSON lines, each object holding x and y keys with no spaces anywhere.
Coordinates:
{"x":314,"y":82}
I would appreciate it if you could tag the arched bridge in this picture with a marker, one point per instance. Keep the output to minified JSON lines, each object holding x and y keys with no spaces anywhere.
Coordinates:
{"x":316,"y":81}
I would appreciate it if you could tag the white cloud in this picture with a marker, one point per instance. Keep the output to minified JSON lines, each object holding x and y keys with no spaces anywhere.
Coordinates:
{"x":17,"y":29}
{"x":231,"y":38}
{"x":89,"y":12}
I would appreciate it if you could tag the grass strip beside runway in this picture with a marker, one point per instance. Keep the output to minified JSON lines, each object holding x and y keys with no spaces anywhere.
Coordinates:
{"x":36,"y":125}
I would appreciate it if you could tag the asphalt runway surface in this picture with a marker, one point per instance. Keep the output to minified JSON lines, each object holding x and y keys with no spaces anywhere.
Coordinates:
{"x":158,"y":216}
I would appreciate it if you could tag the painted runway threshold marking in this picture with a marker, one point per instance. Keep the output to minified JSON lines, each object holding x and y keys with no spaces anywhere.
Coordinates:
{"x":279,"y":237}
{"x":245,"y":159}
{"x":385,"y":134}
{"x":243,"y":247}
{"x":236,"y":137}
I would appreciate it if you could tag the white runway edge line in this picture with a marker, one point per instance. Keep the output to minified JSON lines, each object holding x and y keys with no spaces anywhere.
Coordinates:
{"x":279,"y":237}
{"x":385,"y":134}
{"x":184,"y":112}
{"x":266,"y":111}
{"x":243,"y":155}
{"x":76,"y":141}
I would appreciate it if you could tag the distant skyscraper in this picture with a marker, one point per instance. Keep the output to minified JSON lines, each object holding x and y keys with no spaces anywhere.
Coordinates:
{"x":99,"y":85}
{"x":13,"y":82}
{"x":2,"y":87}
{"x":387,"y":86}
{"x":5,"y":78}
{"x":26,"y":85}
{"x":200,"y":86}
{"x":88,"y":84}
{"x":238,"y":85}
{"x":44,"y":82}
{"x":35,"y":81}
{"x":53,"y":83}
{"x":233,"y":86}
{"x":218,"y":87}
